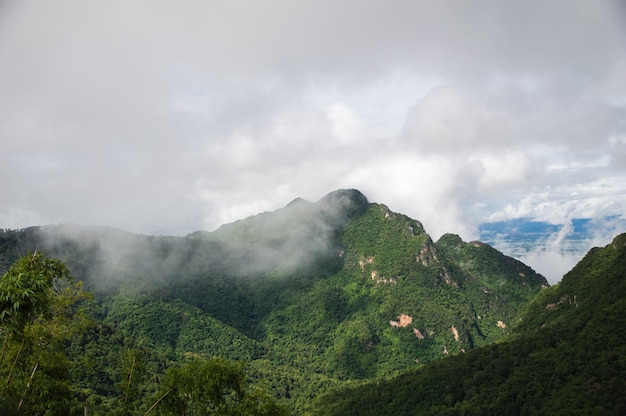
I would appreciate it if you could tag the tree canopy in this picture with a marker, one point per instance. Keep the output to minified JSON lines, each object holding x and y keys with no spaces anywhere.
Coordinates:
{"x":37,"y":316}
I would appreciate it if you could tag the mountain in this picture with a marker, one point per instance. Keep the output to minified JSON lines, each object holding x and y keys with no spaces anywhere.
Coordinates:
{"x":311,"y":296}
{"x":565,"y":356}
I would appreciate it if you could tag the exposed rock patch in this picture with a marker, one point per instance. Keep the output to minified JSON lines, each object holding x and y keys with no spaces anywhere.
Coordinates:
{"x":366,"y":260}
{"x":455,"y":332}
{"x":428,"y":256}
{"x":418,"y":334}
{"x":403,"y":321}
{"x":563,"y":299}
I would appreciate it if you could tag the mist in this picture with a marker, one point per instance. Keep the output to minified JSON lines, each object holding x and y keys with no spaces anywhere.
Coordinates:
{"x":299,"y":241}
{"x":166,"y":118}
{"x":555,"y":254}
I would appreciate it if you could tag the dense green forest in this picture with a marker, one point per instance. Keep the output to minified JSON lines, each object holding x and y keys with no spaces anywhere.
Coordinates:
{"x":567,"y":356}
{"x":290,"y":306}
{"x":51,"y":351}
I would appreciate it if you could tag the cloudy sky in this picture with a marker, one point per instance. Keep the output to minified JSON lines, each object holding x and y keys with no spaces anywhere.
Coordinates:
{"x":162,"y":116}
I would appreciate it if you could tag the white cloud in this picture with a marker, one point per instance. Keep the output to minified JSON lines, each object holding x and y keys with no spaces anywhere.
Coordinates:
{"x":429,"y":188}
{"x":504,"y":170}
{"x":170,"y":117}
{"x":558,"y":253}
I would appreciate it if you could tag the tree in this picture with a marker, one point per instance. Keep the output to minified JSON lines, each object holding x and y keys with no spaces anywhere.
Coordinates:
{"x":212,"y":387}
{"x":37,"y":315}
{"x":26,"y":290}
{"x":132,"y":374}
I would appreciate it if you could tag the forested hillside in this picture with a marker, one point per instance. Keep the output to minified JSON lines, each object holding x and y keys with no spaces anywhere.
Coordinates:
{"x":566,"y":356}
{"x":307,"y":298}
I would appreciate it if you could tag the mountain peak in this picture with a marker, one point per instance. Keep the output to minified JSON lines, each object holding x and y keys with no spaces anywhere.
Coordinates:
{"x":344,"y":203}
{"x":353,"y":194}
{"x":298,"y":201}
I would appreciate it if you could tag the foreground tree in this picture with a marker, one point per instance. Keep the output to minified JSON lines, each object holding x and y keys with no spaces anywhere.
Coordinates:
{"x":212,"y":387}
{"x":38,"y":314}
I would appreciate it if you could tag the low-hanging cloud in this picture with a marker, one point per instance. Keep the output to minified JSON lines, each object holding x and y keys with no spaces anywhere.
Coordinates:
{"x":556,"y":253}
{"x":161,"y":117}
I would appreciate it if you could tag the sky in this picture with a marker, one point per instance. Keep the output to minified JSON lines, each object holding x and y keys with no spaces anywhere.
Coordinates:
{"x":167,"y":117}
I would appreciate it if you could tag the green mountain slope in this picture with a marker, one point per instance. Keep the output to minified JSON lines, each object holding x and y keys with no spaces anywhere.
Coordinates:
{"x":566,"y":356}
{"x":310,"y":296}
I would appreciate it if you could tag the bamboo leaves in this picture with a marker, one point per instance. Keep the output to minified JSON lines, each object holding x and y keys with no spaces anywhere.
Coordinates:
{"x":37,"y":316}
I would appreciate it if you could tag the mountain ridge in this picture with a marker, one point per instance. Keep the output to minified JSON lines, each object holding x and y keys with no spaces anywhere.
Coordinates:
{"x":565,"y":356}
{"x":340,"y":289}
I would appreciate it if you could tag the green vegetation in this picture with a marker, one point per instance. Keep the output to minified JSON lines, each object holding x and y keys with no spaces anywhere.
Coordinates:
{"x":37,"y":315}
{"x":296,"y":304}
{"x":55,"y":360}
{"x":567,"y":356}
{"x":212,"y":387}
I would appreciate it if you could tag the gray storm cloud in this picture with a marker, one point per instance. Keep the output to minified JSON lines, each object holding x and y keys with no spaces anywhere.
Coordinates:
{"x":169,"y":117}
